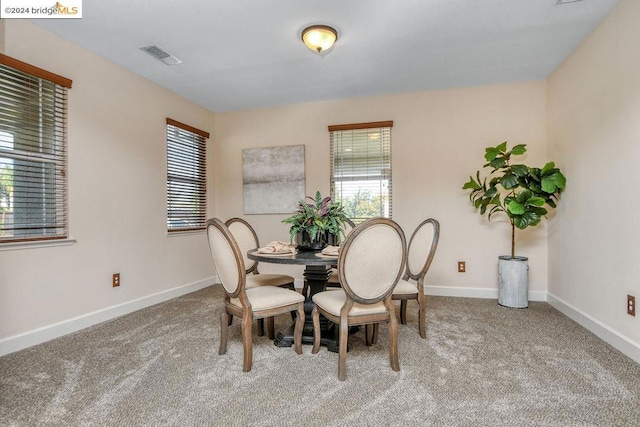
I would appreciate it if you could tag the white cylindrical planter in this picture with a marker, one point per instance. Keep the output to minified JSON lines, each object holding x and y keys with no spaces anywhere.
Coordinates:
{"x":513,"y":281}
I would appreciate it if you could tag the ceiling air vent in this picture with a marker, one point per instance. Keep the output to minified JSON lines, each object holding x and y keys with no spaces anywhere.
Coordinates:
{"x":567,"y":1}
{"x":161,"y":55}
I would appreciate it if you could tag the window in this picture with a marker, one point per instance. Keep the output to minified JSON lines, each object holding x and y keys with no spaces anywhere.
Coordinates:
{"x":33,"y":153}
{"x":186,"y":177}
{"x":361,"y":169}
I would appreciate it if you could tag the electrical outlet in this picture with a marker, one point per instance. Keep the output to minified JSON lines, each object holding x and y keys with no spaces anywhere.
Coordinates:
{"x":462,"y":266}
{"x":631,"y":305}
{"x":116,"y":280}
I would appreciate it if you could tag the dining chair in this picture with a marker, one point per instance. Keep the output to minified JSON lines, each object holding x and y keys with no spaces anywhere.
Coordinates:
{"x":247,"y":239}
{"x":369,"y":266}
{"x":334,"y":281}
{"x":247,"y":303}
{"x":421,"y":250}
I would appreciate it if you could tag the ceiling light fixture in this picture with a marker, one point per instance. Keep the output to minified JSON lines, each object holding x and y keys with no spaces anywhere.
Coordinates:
{"x":319,"y":38}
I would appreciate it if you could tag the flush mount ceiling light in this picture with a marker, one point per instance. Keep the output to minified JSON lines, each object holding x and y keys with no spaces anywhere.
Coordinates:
{"x":319,"y":38}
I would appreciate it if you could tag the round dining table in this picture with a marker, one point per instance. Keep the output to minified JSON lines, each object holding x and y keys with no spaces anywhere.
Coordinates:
{"x":317,"y":271}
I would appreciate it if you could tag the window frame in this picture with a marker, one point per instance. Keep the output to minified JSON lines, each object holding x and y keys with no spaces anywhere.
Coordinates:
{"x":179,"y":169}
{"x":21,"y":84}
{"x":336,"y":135}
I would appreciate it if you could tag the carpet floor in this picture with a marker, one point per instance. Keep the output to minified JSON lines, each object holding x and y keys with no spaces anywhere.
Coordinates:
{"x":481,"y":365}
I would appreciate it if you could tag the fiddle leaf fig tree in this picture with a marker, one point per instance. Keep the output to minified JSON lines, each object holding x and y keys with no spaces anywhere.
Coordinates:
{"x":519,"y":191}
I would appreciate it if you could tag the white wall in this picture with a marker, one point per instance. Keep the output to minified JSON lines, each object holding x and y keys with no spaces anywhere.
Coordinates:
{"x":438,"y":140}
{"x":117,"y":180}
{"x":594,"y":131}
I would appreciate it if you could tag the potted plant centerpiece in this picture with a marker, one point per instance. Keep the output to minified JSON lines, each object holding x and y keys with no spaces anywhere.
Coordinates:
{"x":317,"y":223}
{"x":521,"y":192}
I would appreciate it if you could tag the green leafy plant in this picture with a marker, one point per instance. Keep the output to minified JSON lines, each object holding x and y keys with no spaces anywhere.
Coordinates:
{"x":317,"y":217}
{"x":519,"y":191}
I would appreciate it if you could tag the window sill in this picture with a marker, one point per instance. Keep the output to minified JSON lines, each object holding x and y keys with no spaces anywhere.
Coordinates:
{"x":185,"y":233}
{"x":36,"y":244}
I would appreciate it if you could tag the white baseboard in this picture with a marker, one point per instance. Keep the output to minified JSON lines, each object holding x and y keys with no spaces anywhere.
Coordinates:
{"x":486,"y":293}
{"x":46,"y":333}
{"x":602,"y":331}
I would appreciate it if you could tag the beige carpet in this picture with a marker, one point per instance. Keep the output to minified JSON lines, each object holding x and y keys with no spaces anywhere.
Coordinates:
{"x":482,"y":365}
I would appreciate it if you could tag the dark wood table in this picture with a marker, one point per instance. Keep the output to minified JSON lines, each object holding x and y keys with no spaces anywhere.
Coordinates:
{"x":316,"y":273}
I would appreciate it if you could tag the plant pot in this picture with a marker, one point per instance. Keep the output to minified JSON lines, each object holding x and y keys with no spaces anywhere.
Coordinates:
{"x":331,"y":239}
{"x":304,"y":242}
{"x":513,"y":281}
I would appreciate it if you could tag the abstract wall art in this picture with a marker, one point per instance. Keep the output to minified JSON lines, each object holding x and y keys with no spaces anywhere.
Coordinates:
{"x":273,"y":179}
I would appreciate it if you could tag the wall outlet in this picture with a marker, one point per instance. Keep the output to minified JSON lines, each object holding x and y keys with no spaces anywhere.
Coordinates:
{"x":116,"y":280}
{"x":631,"y":305}
{"x":462,"y":266}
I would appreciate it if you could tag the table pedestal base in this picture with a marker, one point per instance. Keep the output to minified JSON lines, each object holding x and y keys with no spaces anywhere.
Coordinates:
{"x":316,"y":281}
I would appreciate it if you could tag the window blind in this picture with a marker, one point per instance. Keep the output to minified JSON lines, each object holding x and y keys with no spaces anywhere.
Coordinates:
{"x":33,"y":153}
{"x":361,"y":169}
{"x":186,"y":177}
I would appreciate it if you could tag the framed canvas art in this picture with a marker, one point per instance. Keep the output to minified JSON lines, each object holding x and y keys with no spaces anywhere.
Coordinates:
{"x":272,"y":179}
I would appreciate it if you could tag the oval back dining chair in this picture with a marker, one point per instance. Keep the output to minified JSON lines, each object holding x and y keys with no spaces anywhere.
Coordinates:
{"x":369,"y":266}
{"x":248,"y":304}
{"x":420,"y":253}
{"x":247,"y":239}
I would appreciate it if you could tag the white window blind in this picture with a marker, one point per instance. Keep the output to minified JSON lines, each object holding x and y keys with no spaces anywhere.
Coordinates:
{"x":186,"y":177}
{"x":33,"y":153}
{"x":361,"y":169}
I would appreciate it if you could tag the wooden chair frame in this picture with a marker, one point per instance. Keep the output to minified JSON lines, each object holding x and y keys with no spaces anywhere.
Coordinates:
{"x":419,"y":278}
{"x":245,"y":311}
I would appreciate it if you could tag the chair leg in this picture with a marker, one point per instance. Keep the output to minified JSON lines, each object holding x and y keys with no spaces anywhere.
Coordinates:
{"x":247,"y":342}
{"x":224,"y":332}
{"x":260,"y":327}
{"x":342,"y":350}
{"x":297,"y":333}
{"x":368,"y":331}
{"x":422,"y":316}
{"x":270,"y":329}
{"x":403,"y":311}
{"x":393,"y":343}
{"x":374,"y":336}
{"x":315,"y":315}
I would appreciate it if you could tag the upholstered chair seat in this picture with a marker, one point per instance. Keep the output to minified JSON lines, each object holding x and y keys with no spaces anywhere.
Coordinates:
{"x":266,"y":298}
{"x":405,"y":287}
{"x":332,"y":302}
{"x":255,"y":280}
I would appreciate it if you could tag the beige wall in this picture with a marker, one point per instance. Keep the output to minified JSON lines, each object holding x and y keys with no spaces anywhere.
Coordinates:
{"x":586,"y":118}
{"x":438,"y":140}
{"x":117,"y":209}
{"x":594,"y":132}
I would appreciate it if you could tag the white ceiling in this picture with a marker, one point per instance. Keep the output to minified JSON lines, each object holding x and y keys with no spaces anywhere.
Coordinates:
{"x":240,"y":54}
